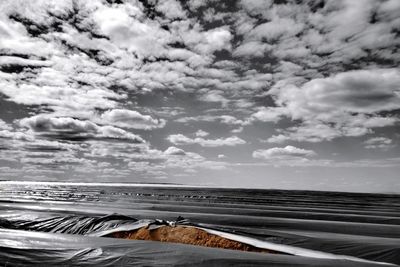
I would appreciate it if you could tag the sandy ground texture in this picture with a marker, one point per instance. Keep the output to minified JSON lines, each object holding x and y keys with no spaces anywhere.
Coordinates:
{"x":186,"y":235}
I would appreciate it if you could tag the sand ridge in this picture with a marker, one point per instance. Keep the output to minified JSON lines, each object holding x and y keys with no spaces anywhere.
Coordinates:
{"x":185,"y":235}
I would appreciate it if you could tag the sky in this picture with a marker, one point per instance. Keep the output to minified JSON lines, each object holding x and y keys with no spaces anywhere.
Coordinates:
{"x":247,"y":93}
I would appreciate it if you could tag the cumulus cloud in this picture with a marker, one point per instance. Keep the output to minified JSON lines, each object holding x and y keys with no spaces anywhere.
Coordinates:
{"x":75,"y":129}
{"x":282,"y":152}
{"x":201,"y":133}
{"x":82,"y":78}
{"x":378,"y":143}
{"x":289,"y":155}
{"x":307,"y":132}
{"x":122,"y":25}
{"x":83,"y":70}
{"x":210,"y":41}
{"x":180,"y":139}
{"x":251,"y":49}
{"x":346,"y":104}
{"x":269,"y":114}
{"x":4,"y":125}
{"x":172,"y":9}
{"x":174,"y":151}
{"x":214,"y":96}
{"x":8,"y":134}
{"x":11,"y":64}
{"x":255,"y":6}
{"x":225,"y":119}
{"x":131,"y":119}
{"x":359,"y":91}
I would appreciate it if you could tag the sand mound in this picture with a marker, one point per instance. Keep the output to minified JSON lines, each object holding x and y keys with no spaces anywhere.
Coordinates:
{"x":186,"y":235}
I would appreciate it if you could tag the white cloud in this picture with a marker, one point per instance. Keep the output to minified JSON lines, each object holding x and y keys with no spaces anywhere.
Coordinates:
{"x":275,"y":29}
{"x":251,"y":49}
{"x":123,"y":26}
{"x":195,"y":4}
{"x":130,"y":119}
{"x":286,"y":156}
{"x":237,"y":130}
{"x":15,"y":135}
{"x":89,"y":81}
{"x":171,"y":8}
{"x":361,"y":91}
{"x":66,"y":99}
{"x":225,"y":119}
{"x":307,"y":132}
{"x":282,"y":152}
{"x":73,"y":128}
{"x":201,"y":133}
{"x":379,"y":143}
{"x":213,"y":40}
{"x":255,"y":6}
{"x":59,"y":158}
{"x":346,"y":104}
{"x":180,"y":139}
{"x":4,"y":125}
{"x":269,"y":114}
{"x":7,"y":61}
{"x":215,"y":96}
{"x":174,"y":151}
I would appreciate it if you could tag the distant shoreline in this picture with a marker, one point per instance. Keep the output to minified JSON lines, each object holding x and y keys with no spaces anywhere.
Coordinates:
{"x":174,"y":185}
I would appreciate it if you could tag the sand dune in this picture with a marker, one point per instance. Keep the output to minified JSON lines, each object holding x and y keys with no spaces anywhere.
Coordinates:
{"x":186,"y":235}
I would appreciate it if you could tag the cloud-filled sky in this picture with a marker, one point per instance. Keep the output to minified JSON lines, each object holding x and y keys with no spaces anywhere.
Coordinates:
{"x":247,"y":93}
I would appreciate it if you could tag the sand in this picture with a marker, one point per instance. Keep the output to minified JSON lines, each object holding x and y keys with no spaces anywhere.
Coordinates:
{"x":186,"y":235}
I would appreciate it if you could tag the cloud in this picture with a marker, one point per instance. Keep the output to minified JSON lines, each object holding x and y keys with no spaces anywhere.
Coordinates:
{"x":174,"y":151}
{"x":130,"y":119}
{"x":17,"y":64}
{"x":7,"y":134}
{"x":82,"y":77}
{"x":379,"y":143}
{"x":308,"y":132}
{"x":287,"y":156}
{"x":345,"y":104}
{"x":172,"y":9}
{"x":4,"y":125}
{"x":255,"y":7}
{"x":59,"y":98}
{"x":55,"y":159}
{"x":225,"y":119}
{"x":237,"y":130}
{"x":269,"y":114}
{"x":282,"y":152}
{"x":214,"y":96}
{"x":321,"y":33}
{"x":126,"y":30}
{"x":201,"y":133}
{"x":210,"y":41}
{"x":251,"y":49}
{"x":359,"y":91}
{"x":180,"y":139}
{"x":275,"y":29}
{"x":70,"y":128}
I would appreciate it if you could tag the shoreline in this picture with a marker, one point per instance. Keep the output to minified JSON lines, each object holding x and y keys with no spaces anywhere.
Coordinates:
{"x":183,"y":186}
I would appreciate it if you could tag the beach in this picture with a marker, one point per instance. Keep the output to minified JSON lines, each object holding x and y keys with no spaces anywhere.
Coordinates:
{"x":362,"y":228}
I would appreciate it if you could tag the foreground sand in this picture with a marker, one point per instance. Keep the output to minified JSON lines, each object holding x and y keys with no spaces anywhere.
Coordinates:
{"x":186,"y":235}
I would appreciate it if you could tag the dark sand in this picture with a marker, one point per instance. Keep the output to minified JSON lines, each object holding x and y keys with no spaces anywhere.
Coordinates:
{"x":186,"y":235}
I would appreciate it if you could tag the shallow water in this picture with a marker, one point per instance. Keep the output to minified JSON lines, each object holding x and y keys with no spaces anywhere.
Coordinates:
{"x":366,"y":226}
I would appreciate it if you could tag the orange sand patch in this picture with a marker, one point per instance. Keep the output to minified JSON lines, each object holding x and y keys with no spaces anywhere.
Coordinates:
{"x":186,"y":235}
